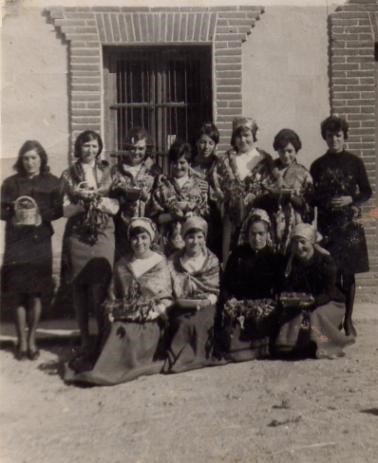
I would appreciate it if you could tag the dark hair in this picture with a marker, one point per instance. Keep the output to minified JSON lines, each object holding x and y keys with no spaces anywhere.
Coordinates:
{"x":334,"y":124}
{"x":84,"y":137}
{"x":284,"y":137}
{"x":179,"y":149}
{"x":137,"y":231}
{"x":241,"y":130}
{"x":28,"y":146}
{"x":209,"y":129}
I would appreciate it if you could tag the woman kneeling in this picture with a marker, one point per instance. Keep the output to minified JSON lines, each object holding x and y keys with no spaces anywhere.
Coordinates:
{"x":138,"y":296}
{"x":248,"y":292}
{"x":195,"y":277}
{"x":313,"y":307}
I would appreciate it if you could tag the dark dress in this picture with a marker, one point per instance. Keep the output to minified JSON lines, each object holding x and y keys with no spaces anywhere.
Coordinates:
{"x":319,"y":324}
{"x":27,"y":265}
{"x":338,"y":175}
{"x":249,"y":286}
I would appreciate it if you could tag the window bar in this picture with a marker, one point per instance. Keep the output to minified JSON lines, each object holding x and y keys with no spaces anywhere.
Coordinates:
{"x":131,"y":97}
{"x":175,"y":95}
{"x":119,"y":98}
{"x":186,"y":99}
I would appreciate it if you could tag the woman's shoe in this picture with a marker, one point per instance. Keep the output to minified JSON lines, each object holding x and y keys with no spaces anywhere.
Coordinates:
{"x":33,"y":354}
{"x":21,"y":354}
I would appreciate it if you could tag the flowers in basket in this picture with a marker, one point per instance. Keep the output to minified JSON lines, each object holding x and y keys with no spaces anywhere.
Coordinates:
{"x":93,"y":219}
{"x":126,"y":310}
{"x":296,"y":300}
{"x":252,"y":311}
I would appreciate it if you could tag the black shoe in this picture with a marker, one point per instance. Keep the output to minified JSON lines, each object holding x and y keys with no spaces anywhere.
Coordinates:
{"x":20,"y":354}
{"x":33,"y":354}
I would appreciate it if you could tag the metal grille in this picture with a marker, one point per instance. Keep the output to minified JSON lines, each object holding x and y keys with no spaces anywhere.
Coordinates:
{"x":165,"y":90}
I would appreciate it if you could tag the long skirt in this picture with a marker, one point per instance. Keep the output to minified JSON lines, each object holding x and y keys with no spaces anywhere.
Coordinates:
{"x":190,"y":340}
{"x":129,"y":351}
{"x":302,"y":329}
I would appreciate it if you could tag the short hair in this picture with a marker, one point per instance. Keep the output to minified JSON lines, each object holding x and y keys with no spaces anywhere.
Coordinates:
{"x":84,"y":137}
{"x":209,"y":129}
{"x":284,"y":137}
{"x":179,"y":149}
{"x":241,"y":130}
{"x":334,"y":124}
{"x":28,"y":146}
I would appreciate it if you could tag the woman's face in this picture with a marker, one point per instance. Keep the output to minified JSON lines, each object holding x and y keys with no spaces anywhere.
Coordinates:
{"x":31,"y":162}
{"x":140,"y":244}
{"x":335,"y":140}
{"x":302,"y":248}
{"x":180,"y":168}
{"x":205,"y":146}
{"x":257,"y":235}
{"x":136,"y":153}
{"x":195,"y":242}
{"x":244,"y":141}
{"x":287,"y":155}
{"x":89,"y":151}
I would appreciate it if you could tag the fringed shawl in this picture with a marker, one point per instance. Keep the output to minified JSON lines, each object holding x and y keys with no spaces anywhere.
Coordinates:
{"x":200,"y":283}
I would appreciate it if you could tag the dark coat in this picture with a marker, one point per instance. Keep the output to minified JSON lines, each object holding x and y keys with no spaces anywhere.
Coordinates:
{"x":250,"y":274}
{"x":27,"y":265}
{"x":316,"y":277}
{"x":338,"y":175}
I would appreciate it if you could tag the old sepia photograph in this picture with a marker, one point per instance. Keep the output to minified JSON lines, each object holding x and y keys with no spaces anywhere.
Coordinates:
{"x":189,"y":231}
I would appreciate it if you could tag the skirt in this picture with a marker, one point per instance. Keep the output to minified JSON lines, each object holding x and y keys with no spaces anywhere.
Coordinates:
{"x":130,"y":350}
{"x":190,"y":340}
{"x":301,"y":329}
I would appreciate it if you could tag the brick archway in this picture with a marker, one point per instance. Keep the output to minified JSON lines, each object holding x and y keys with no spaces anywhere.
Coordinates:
{"x":88,"y":29}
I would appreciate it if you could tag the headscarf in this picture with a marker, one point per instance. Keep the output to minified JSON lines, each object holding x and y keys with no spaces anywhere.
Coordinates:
{"x":142,"y":222}
{"x":255,"y":215}
{"x":194,"y":223}
{"x":310,"y":233}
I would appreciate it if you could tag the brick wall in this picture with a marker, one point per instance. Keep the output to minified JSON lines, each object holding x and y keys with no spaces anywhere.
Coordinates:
{"x":88,"y":29}
{"x":353,"y":30}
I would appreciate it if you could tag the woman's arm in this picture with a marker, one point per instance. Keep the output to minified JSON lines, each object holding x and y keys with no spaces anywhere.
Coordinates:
{"x":364,"y":187}
{"x":7,"y":199}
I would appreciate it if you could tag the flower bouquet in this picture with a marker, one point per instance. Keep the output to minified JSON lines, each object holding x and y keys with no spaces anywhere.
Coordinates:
{"x":253,"y":312}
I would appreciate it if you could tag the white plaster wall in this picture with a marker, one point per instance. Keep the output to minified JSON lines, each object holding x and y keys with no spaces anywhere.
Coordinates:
{"x":285,"y":76}
{"x":34,"y":92}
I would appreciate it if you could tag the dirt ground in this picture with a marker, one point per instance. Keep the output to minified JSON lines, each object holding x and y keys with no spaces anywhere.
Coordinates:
{"x":261,"y":411}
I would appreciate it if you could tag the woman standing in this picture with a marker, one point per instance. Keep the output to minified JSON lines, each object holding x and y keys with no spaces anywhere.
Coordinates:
{"x":249,"y":287}
{"x":312,"y":304}
{"x":179,"y":196}
{"x":242,"y":171}
{"x":132,"y":181}
{"x":195,"y":277}
{"x":341,"y":186}
{"x":137,"y":299}
{"x":89,"y":233}
{"x":204,"y":164}
{"x":288,"y":190}
{"x":30,"y":200}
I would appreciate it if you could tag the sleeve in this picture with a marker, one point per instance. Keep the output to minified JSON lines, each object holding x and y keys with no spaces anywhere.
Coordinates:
{"x":156,"y":204}
{"x":109,"y":205}
{"x":364,"y":188}
{"x":69,"y":206}
{"x":7,"y":199}
{"x":230,"y":277}
{"x":54,"y":209}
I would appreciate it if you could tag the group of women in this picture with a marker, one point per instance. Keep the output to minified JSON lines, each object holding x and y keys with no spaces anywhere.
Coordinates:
{"x":219,"y":260}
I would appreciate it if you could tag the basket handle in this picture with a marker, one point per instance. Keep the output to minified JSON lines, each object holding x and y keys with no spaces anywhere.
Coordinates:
{"x":29,"y":198}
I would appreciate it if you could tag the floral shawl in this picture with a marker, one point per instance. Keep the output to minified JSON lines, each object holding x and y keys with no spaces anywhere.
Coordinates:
{"x":239,"y":195}
{"x":122,"y":180}
{"x":154,"y":284}
{"x":167,"y":194}
{"x":196,"y":284}
{"x":74,"y":175}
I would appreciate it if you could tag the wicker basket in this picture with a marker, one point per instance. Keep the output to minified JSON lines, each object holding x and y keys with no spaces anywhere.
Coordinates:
{"x":26,"y":211}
